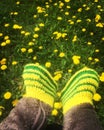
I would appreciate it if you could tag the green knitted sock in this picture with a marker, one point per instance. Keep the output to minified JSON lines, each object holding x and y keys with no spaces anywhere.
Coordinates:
{"x":39,"y":83}
{"x":80,"y":88}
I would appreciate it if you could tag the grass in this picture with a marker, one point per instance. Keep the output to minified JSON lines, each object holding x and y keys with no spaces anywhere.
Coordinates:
{"x":63,"y":36}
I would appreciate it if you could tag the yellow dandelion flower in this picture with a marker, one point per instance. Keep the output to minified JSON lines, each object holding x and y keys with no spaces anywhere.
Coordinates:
{"x":69,"y":70}
{"x":35,"y":35}
{"x":57,"y":105}
{"x":0,"y":113}
{"x":79,"y":20}
{"x":102,"y":77}
{"x":66,"y":13}
{"x":30,"y":50}
{"x":63,"y":35}
{"x":67,"y":1}
{"x":102,"y":38}
{"x":74,"y":38}
{"x":59,"y":18}
{"x":83,"y":29}
{"x":27,"y":33}
{"x":54,"y":112}
{"x":35,"y":57}
{"x":99,"y":25}
{"x":3,"y":44}
{"x":15,"y":13}
{"x":6,"y":37}
{"x":79,"y":10}
{"x":6,"y":25}
{"x":8,"y":41}
{"x":14,"y":102}
{"x":16,"y":26}
{"x":3,"y":67}
{"x":3,"y":61}
{"x":23,"y":32}
{"x":23,"y":50}
{"x":88,"y":20}
{"x":18,"y":2}
{"x":1,"y":34}
{"x":90,"y":58}
{"x":76,"y":59}
{"x":89,"y":43}
{"x":31,"y":43}
{"x":55,"y":51}
{"x":41,"y":24}
{"x":97,"y":50}
{"x":62,"y":54}
{"x":97,"y":18}
{"x":91,"y":33}
{"x":14,"y":63}
{"x":7,"y":95}
{"x":96,"y":0}
{"x":57,"y":77}
{"x":96,"y":60}
{"x":48,"y":64}
{"x":36,"y":29}
{"x":40,"y":47}
{"x":96,"y":97}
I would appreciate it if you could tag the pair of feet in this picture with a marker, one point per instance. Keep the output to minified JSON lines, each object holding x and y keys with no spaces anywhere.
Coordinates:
{"x":79,"y":89}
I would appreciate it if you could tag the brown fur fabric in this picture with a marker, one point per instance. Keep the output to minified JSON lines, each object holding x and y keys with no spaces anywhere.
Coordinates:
{"x":82,"y":117}
{"x":29,"y":114}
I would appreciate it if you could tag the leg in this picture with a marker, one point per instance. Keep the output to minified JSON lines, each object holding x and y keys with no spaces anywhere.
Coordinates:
{"x":29,"y":114}
{"x":77,"y":95}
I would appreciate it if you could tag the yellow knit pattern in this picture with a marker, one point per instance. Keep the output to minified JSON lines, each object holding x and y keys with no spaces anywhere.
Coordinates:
{"x":80,"y":88}
{"x":39,"y":83}
{"x":39,"y":94}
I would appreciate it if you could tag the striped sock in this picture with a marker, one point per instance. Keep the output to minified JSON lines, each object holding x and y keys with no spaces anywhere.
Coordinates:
{"x":80,"y":88}
{"x":39,"y":83}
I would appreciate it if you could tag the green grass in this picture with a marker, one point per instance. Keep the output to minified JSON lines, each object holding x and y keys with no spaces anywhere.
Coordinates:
{"x":48,"y":46}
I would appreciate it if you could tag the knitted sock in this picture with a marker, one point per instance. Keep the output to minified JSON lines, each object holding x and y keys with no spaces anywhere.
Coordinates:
{"x":80,"y":88}
{"x":39,"y":83}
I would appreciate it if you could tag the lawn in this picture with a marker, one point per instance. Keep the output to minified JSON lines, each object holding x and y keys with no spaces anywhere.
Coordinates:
{"x":64,"y":35}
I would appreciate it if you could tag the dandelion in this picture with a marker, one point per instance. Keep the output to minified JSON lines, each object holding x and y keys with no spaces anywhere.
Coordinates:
{"x":91,"y":33}
{"x":35,"y":16}
{"x":35,"y":35}
{"x":62,"y":54}
{"x":97,"y":18}
{"x":96,"y":60}
{"x":69,"y":70}
{"x":27,"y":33}
{"x":16,"y":26}
{"x":3,"y":61}
{"x":6,"y":37}
{"x":88,"y":20}
{"x":97,"y":50}
{"x":67,"y":1}
{"x":23,"y":50}
{"x":54,"y":112}
{"x":76,"y":59}
{"x":55,"y":51}
{"x":3,"y":67}
{"x":57,"y":105}
{"x":90,"y":58}
{"x":8,"y":41}
{"x":35,"y":57}
{"x":66,"y":13}
{"x":96,"y":0}
{"x":79,"y":10}
{"x":79,"y":20}
{"x":14,"y":102}
{"x":23,"y":32}
{"x":63,"y":35}
{"x":3,"y":44}
{"x":36,"y":29}
{"x":18,"y":2}
{"x":6,"y":25}
{"x":48,"y":64}
{"x":14,"y":63}
{"x":83,"y":29}
{"x":41,"y":24}
{"x":57,"y":77}
{"x":30,"y":50}
{"x":102,"y":38}
{"x":31,"y":43}
{"x":7,"y":95}
{"x":97,"y":97}
{"x":89,"y":43}
{"x":74,"y":38}
{"x":15,"y":13}
{"x":59,"y":18}
{"x":1,"y":34}
{"x":40,"y":47}
{"x":99,"y":25}
{"x":102,"y":77}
